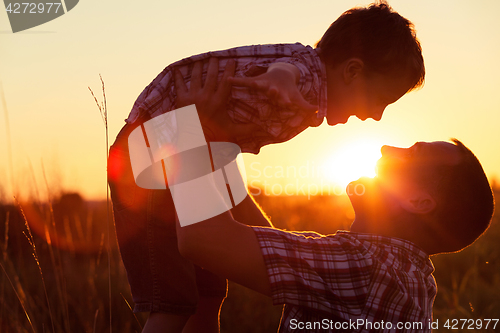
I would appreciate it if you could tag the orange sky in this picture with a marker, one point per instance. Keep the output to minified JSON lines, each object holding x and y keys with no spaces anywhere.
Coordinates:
{"x":54,"y":122}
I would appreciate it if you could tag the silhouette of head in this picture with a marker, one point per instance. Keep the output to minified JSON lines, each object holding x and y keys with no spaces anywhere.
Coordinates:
{"x":435,"y":194}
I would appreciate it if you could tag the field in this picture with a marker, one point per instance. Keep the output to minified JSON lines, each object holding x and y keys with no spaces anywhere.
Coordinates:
{"x":61,"y":269}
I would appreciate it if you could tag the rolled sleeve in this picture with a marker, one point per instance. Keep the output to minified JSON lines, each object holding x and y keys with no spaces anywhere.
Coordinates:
{"x":322,"y":273}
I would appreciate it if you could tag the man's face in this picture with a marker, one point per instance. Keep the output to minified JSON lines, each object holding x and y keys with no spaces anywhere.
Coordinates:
{"x":402,"y":173}
{"x":417,"y":162}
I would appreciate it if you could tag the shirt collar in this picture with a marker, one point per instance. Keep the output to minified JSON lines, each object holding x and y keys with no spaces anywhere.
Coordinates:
{"x":391,"y":249}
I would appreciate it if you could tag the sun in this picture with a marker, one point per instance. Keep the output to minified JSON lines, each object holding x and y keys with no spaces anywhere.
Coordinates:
{"x":352,"y":161}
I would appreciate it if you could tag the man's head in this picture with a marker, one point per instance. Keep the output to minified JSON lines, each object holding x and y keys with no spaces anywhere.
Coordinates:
{"x":434,"y":194}
{"x":374,"y":45}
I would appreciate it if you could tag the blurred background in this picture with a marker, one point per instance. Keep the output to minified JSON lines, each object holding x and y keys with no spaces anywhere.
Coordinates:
{"x":61,"y":270}
{"x":53,"y":119}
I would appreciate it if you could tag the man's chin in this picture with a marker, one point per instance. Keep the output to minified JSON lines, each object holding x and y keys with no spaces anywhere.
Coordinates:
{"x":359,"y":187}
{"x":361,"y":180}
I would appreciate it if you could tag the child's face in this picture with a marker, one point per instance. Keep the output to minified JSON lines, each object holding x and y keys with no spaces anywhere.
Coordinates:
{"x":361,"y":95}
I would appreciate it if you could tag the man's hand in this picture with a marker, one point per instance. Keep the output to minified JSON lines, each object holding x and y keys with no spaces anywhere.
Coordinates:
{"x":279,"y":83}
{"x":211,"y":99}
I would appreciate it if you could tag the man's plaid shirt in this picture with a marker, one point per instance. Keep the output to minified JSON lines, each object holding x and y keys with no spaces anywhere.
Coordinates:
{"x":347,"y":277}
{"x":245,"y":105}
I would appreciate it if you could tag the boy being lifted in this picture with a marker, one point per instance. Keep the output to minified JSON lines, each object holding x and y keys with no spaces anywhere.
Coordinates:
{"x":367,"y":59}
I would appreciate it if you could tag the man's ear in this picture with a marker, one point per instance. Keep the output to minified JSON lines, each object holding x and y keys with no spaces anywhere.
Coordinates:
{"x":419,"y":203}
{"x":352,"y":69}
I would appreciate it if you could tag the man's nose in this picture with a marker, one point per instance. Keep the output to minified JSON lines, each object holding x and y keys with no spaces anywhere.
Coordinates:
{"x":394,"y":152}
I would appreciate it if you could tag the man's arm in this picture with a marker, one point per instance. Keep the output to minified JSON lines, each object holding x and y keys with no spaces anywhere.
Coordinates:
{"x":250,"y":213}
{"x":226,"y":248}
{"x":220,"y":244}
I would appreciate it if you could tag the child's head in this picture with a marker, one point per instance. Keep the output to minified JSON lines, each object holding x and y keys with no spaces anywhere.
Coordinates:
{"x":383,"y":42}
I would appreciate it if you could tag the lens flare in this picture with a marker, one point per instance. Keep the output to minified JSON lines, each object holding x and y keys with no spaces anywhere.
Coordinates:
{"x":352,"y":161}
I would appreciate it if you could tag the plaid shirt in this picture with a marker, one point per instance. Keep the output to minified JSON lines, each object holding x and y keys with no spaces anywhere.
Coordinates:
{"x":247,"y":106}
{"x":346,"y":277}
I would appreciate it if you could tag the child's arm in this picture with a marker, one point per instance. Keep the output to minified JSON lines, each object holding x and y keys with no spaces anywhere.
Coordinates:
{"x":280,"y":84}
{"x":220,"y":244}
{"x":212,"y":98}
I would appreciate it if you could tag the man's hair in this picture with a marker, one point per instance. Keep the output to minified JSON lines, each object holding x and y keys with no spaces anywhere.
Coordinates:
{"x":465,"y":203}
{"x":384,"y":40}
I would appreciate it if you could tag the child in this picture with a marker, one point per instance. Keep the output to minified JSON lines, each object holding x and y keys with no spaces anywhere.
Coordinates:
{"x":367,"y":59}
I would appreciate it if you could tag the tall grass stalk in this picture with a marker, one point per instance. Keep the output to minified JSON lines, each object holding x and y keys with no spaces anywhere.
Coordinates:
{"x":35,"y":187}
{"x":31,"y":241}
{"x":130,"y":308}
{"x":4,"y":257}
{"x":13,"y":191}
{"x":19,"y":298}
{"x":8,"y":137}
{"x":95,"y":320}
{"x":103,"y":110}
{"x":56,"y":263}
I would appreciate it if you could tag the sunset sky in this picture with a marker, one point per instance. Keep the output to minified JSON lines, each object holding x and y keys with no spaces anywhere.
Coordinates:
{"x":55,"y":125}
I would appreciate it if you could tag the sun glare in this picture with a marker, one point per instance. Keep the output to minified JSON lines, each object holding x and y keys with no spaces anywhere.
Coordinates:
{"x":352,"y":161}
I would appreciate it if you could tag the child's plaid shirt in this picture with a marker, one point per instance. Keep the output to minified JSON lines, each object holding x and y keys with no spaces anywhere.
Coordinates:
{"x":348,"y":278}
{"x":246,"y":106}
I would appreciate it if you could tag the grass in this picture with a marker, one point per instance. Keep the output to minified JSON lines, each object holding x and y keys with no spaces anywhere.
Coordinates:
{"x":70,"y":271}
{"x":61,"y":269}
{"x":103,"y":110}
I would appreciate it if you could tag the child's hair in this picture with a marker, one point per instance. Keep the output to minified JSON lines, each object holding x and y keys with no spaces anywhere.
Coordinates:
{"x":384,"y":40}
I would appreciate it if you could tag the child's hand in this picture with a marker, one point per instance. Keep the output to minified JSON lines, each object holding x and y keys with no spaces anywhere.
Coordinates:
{"x":211,"y":99}
{"x":279,"y":83}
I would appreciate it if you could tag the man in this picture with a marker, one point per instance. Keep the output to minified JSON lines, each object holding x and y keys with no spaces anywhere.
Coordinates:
{"x":427,"y":199}
{"x":367,"y":59}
